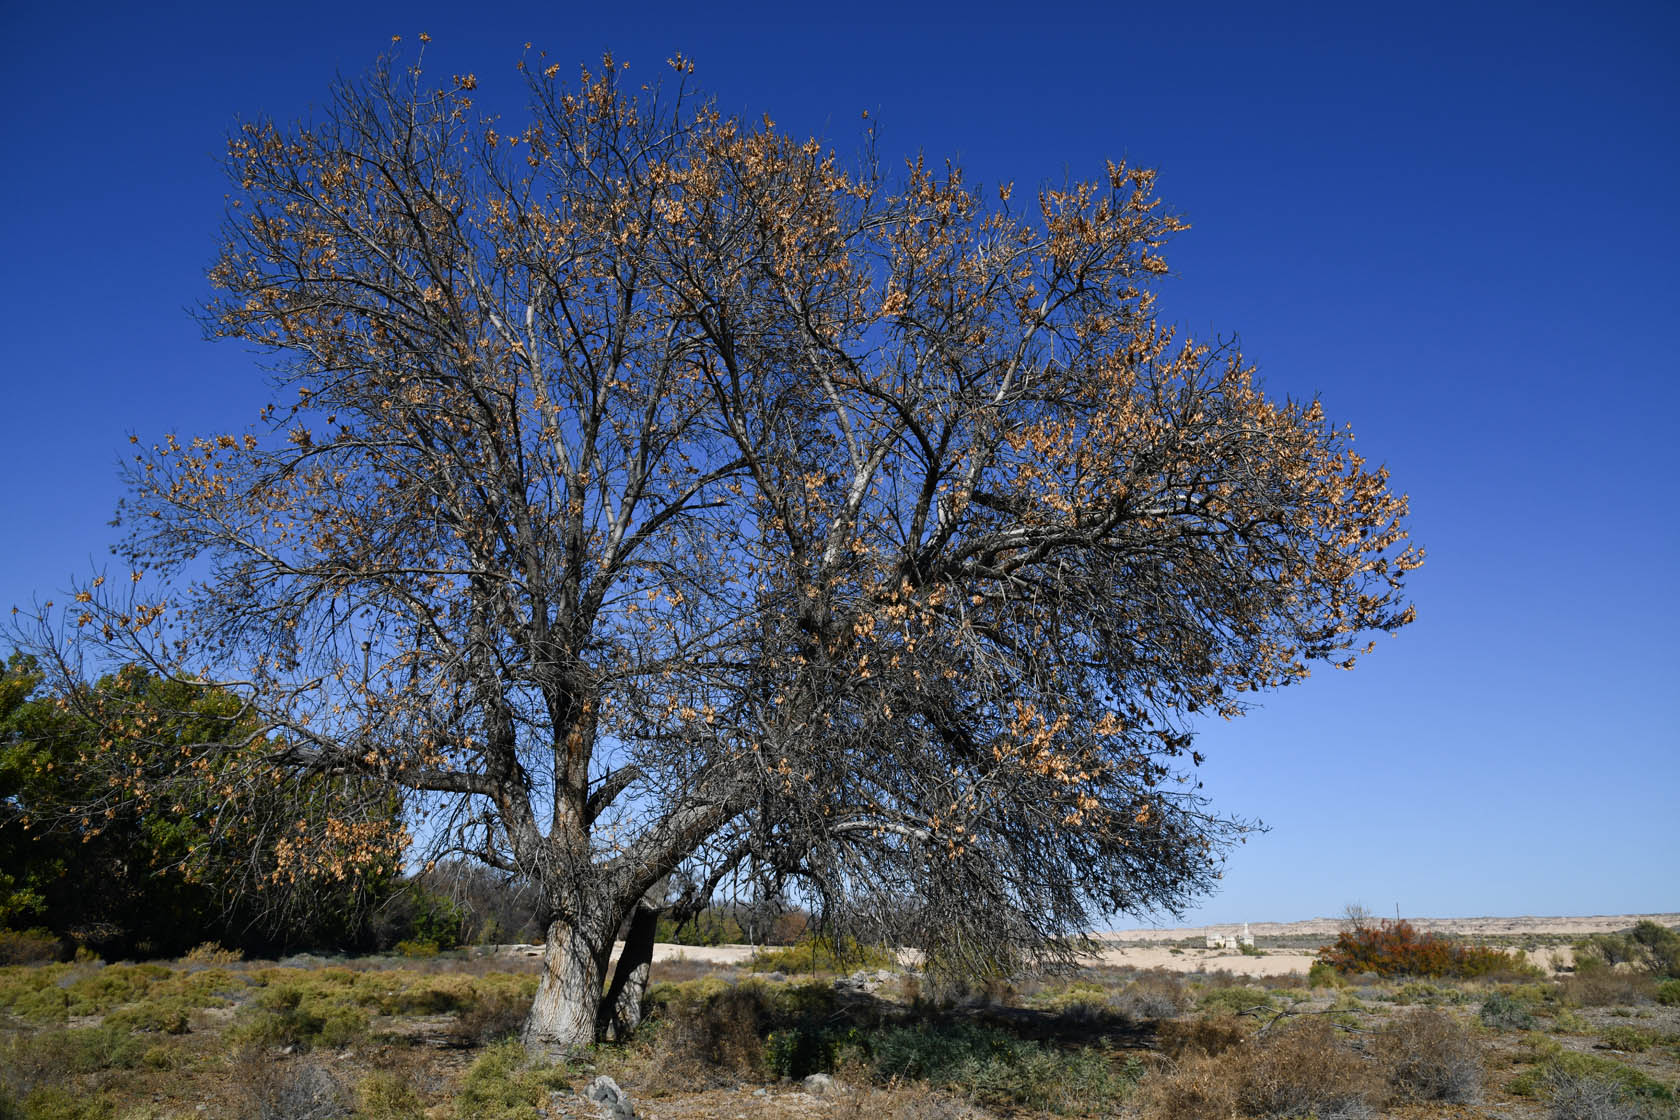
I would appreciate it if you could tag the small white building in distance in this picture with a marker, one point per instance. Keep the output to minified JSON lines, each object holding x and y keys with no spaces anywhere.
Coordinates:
{"x":1232,"y":940}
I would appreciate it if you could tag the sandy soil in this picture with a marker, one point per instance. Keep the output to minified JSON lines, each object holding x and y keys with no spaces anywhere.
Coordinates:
{"x":1155,"y":947}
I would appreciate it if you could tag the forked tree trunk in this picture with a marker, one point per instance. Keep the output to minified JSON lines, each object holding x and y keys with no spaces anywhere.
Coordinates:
{"x":621,"y":1007}
{"x":568,"y":1001}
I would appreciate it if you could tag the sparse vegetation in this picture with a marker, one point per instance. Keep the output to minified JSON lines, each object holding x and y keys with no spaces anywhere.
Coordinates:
{"x":391,"y":1038}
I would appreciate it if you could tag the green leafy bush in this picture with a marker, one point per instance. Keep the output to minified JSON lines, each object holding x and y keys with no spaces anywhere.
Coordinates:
{"x":1649,"y":947}
{"x":709,"y":927}
{"x":1668,"y":993}
{"x":1321,"y":975}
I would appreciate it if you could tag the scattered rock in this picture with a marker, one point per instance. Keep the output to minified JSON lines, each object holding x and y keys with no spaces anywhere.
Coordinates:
{"x":820,"y":1085}
{"x":865,"y":981}
{"x":761,"y":1092}
{"x":611,"y":1102}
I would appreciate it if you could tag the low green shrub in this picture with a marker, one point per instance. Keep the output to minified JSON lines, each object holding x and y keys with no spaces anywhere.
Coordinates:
{"x":387,"y":1096}
{"x":1506,"y":1012}
{"x":1431,"y":995}
{"x":168,"y":1016}
{"x":1321,"y":975}
{"x":76,"y":1050}
{"x":502,"y":1085}
{"x":36,"y":993}
{"x":113,"y":986}
{"x":295,"y":1015}
{"x":212,"y":953}
{"x":1633,"y":1039}
{"x":1566,"y":1064}
{"x":996,"y":1068}
{"x":1668,"y":993}
{"x":54,"y":1102}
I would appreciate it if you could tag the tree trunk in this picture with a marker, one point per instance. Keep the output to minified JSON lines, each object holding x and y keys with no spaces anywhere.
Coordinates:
{"x":621,"y":1008}
{"x":562,"y":1019}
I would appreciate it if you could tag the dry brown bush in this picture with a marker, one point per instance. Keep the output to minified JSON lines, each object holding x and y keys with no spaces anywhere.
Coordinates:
{"x":300,"y":1089}
{"x":1429,"y":1056}
{"x":714,"y":1042}
{"x":1153,"y":995}
{"x":679,"y":971}
{"x":912,"y":1101}
{"x":1608,"y":987}
{"x":1301,"y":1069}
{"x":1198,"y":1088}
{"x":1209,"y":1036}
{"x":1304,"y":1068}
{"x":491,"y":1017}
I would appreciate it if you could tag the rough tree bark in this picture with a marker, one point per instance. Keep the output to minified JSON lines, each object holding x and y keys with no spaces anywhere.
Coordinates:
{"x":568,"y":999}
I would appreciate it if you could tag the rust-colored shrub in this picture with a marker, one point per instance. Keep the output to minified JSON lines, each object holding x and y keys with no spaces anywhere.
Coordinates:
{"x":1398,"y":949}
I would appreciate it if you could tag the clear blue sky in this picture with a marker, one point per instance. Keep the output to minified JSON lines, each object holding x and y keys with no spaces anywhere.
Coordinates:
{"x":1457,"y":223}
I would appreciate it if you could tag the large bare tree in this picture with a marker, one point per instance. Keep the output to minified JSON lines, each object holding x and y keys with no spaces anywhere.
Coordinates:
{"x":654,"y":498}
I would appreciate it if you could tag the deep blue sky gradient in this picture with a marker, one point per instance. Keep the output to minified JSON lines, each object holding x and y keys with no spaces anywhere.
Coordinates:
{"x":1457,"y":224}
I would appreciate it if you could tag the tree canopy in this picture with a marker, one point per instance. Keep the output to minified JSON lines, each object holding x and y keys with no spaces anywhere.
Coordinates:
{"x":654,"y":497}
